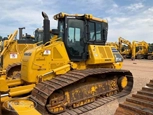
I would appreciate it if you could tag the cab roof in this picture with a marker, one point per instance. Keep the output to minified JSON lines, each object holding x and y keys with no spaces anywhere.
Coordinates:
{"x":87,"y":16}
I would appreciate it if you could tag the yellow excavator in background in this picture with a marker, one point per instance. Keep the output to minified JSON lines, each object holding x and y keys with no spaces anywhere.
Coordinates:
{"x":12,"y":51}
{"x":125,"y":47}
{"x":71,"y":73}
{"x":139,"y":50}
{"x":150,"y":51}
{"x":115,"y":44}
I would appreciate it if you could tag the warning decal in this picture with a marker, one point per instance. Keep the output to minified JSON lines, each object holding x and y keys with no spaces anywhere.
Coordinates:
{"x":13,"y":55}
{"x":47,"y":52}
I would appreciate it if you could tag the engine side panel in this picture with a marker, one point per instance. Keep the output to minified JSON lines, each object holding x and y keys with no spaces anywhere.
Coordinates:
{"x":44,"y":59}
{"x":100,"y":54}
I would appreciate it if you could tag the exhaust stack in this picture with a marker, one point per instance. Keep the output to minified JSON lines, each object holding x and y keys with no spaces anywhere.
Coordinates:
{"x":46,"y":28}
{"x":20,"y":32}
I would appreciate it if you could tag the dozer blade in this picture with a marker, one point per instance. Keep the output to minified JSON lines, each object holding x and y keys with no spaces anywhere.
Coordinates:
{"x":140,"y":103}
{"x":79,"y":91}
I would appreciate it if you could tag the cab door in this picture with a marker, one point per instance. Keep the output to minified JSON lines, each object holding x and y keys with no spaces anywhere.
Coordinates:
{"x":75,"y":39}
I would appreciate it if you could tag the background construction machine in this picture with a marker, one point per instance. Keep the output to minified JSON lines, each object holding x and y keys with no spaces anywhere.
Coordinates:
{"x":125,"y":47}
{"x":70,"y":70}
{"x":139,"y":50}
{"x":12,"y":51}
{"x":150,"y":51}
{"x":115,"y":44}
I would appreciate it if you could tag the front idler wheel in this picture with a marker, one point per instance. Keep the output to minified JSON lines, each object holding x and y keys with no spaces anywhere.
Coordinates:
{"x":122,"y":82}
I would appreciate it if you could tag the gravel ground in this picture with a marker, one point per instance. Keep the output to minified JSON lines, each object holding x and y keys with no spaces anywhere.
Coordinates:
{"x":142,"y":72}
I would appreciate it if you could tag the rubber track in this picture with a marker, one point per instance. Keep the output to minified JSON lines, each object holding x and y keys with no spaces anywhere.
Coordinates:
{"x":43,"y":90}
{"x":140,"y":103}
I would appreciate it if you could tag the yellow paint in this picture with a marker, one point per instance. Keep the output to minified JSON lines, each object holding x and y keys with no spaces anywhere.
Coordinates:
{"x":16,"y":91}
{"x":74,"y":65}
{"x":114,"y":44}
{"x":79,"y":65}
{"x":87,"y":16}
{"x":57,"y":109}
{"x":124,"y":82}
{"x":14,"y":82}
{"x":142,"y":48}
{"x":118,"y":65}
{"x":93,"y":89}
{"x":57,"y":62}
{"x":128,"y":50}
{"x":3,"y":85}
{"x":67,"y":96}
{"x":38,"y":66}
{"x":62,"y":70}
{"x":6,"y":98}
{"x":12,"y":46}
{"x":24,"y":107}
{"x":99,"y":54}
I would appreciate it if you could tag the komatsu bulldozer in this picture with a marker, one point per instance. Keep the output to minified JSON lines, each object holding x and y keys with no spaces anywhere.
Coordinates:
{"x":71,"y":73}
{"x":12,"y":51}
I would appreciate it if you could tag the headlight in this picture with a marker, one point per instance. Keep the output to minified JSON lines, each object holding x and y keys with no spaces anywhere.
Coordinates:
{"x":118,"y":58}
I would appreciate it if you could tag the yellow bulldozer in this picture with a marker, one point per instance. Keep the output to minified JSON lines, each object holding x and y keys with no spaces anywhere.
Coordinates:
{"x":12,"y":51}
{"x":139,"y":49}
{"x":125,"y":47}
{"x":71,"y":73}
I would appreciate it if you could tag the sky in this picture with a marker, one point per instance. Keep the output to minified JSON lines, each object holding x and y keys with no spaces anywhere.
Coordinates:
{"x":130,"y":19}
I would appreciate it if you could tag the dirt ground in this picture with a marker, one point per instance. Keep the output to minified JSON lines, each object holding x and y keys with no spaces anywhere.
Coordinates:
{"x":142,"y":71}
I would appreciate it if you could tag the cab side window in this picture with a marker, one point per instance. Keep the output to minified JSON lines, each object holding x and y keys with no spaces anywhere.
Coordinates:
{"x":97,"y":32}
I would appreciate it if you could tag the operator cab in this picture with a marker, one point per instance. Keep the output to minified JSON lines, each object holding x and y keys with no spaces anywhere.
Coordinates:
{"x":78,"y":31}
{"x":38,"y":34}
{"x":28,"y":39}
{"x":150,"y":48}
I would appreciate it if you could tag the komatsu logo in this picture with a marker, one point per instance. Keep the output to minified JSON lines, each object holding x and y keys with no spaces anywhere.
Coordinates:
{"x":107,"y":59}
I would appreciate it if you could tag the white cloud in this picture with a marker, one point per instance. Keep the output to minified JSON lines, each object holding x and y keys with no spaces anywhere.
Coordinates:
{"x":134,"y":7}
{"x":133,"y":22}
{"x":97,"y":5}
{"x":15,"y":14}
{"x":121,"y":19}
{"x":136,"y":27}
{"x":115,"y":5}
{"x":108,"y":19}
